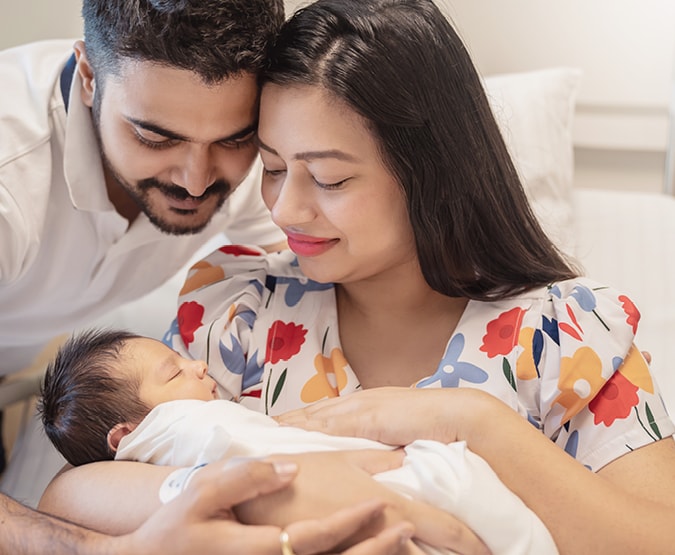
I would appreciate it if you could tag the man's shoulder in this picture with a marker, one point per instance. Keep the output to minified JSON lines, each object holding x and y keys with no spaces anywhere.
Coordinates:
{"x":29,"y":75}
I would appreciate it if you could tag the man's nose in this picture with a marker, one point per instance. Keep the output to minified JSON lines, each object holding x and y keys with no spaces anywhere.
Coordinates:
{"x":196,"y":171}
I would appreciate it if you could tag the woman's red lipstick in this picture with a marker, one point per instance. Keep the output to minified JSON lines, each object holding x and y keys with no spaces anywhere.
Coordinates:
{"x":306,"y":245}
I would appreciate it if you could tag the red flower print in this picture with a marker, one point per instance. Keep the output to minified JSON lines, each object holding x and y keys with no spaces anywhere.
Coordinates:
{"x":502,"y":333}
{"x":284,"y":341}
{"x":255,"y":393}
{"x":189,"y":319}
{"x":631,"y":311}
{"x":239,"y":250}
{"x":564,"y":326}
{"x":615,"y":400}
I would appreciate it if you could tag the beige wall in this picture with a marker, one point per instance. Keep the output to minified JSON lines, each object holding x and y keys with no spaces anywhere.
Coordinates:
{"x":626,"y":49}
{"x":28,"y":20}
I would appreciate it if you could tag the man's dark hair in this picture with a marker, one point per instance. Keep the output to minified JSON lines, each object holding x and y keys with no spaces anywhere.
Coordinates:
{"x":82,"y":398}
{"x":214,"y":38}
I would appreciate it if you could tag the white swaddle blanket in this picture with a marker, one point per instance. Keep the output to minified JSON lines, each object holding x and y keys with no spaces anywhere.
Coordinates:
{"x":450,"y":477}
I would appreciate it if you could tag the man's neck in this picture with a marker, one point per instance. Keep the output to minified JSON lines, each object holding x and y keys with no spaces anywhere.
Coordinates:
{"x":123,"y":203}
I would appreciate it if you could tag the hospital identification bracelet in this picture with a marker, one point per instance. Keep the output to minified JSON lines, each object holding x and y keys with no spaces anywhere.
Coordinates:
{"x":177,"y":482}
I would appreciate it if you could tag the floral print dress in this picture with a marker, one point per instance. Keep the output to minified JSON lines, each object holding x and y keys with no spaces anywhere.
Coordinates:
{"x":562,"y":356}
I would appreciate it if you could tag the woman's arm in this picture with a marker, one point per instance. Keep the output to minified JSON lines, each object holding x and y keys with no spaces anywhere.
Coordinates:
{"x":189,"y":525}
{"x":117,"y":496}
{"x":626,"y":507}
{"x":114,"y":497}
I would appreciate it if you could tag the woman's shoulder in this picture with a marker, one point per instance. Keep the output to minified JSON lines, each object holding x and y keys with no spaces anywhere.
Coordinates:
{"x":582,"y":299}
{"x":578,"y":315}
{"x":577,"y":297}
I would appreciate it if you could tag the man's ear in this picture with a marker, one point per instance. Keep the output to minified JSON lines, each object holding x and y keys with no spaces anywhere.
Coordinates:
{"x":86,"y":73}
{"x":118,"y":432}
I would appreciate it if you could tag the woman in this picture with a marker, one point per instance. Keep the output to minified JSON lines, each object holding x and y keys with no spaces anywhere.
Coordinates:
{"x":386,"y":169}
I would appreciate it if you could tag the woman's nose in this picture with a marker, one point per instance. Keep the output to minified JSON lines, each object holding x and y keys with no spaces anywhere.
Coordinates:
{"x":293,"y":203}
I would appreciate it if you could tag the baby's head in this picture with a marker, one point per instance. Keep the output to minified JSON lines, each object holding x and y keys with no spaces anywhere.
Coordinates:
{"x":102,"y":383}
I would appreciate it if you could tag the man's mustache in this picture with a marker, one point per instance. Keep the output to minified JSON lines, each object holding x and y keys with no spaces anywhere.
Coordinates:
{"x":219,"y":187}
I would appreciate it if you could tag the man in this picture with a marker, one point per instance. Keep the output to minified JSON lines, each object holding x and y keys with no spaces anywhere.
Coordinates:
{"x":199,"y":521}
{"x":118,"y":158}
{"x":116,"y":163}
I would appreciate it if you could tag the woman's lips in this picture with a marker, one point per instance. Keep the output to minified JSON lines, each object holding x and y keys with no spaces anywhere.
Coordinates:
{"x":306,"y":245}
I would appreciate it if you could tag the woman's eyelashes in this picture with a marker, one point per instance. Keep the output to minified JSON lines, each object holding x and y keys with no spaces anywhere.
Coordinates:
{"x":334,"y":185}
{"x":273,"y":173}
{"x":322,"y":184}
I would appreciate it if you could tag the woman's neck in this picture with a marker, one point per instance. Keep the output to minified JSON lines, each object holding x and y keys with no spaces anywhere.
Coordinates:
{"x":394,"y":330}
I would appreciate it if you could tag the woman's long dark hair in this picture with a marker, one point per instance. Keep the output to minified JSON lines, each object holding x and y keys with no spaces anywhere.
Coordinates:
{"x":401,"y":66}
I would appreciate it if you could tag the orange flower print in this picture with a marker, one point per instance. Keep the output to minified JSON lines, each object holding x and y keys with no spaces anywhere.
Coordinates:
{"x":636,"y":371}
{"x":615,"y":400}
{"x":632,"y":312}
{"x":580,"y":380}
{"x":201,"y":274}
{"x":329,"y":380}
{"x":502,"y":333}
{"x":526,"y":368}
{"x":284,"y":341}
{"x":189,"y":318}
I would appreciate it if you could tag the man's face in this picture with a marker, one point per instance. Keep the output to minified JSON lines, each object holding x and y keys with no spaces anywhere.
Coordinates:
{"x":173,"y":146}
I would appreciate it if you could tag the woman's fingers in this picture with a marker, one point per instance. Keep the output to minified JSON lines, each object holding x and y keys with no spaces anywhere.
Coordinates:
{"x":325,"y":535}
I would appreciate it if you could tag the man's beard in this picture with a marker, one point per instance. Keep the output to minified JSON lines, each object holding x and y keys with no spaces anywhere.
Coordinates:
{"x":140,"y":193}
{"x":219,"y":188}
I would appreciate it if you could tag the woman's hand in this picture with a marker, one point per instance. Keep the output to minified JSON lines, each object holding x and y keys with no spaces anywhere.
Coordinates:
{"x":392,"y":415}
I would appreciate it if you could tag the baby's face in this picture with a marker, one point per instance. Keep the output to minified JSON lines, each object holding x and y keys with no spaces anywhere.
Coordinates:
{"x":165,"y":375}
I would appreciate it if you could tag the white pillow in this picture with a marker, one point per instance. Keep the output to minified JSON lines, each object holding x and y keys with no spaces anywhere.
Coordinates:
{"x":535,"y":111}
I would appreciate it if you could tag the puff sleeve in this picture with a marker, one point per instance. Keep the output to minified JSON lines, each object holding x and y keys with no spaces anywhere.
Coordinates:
{"x":596,"y":396}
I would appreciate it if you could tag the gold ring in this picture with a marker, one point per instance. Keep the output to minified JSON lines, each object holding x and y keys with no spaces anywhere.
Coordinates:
{"x":286,"y":548}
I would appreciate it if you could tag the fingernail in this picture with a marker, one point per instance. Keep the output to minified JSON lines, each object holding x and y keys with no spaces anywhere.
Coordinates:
{"x":285,"y":469}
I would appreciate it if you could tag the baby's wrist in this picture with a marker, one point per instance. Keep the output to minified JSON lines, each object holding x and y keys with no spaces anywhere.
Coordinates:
{"x":176,"y":482}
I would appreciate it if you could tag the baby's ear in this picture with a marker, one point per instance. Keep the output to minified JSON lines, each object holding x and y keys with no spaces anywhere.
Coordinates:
{"x":118,"y":432}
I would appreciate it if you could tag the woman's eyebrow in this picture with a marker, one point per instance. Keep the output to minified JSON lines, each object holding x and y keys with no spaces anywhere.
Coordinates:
{"x":314,"y":154}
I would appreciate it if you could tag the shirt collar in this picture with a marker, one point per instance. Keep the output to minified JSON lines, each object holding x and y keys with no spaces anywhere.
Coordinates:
{"x":82,"y":158}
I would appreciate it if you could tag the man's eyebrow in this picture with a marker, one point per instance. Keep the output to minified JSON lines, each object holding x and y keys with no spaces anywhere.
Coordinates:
{"x":314,"y":154}
{"x":154,"y":128}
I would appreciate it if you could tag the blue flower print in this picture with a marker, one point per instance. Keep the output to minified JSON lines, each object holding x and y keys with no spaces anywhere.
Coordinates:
{"x":236,"y":362}
{"x":550,"y":327}
{"x":172,"y":332}
{"x":450,"y":370}
{"x":584,"y":297}
{"x":296,"y":288}
{"x":572,"y":444}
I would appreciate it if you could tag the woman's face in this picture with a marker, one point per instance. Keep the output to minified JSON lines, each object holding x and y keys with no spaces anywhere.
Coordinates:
{"x":324,"y":182}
